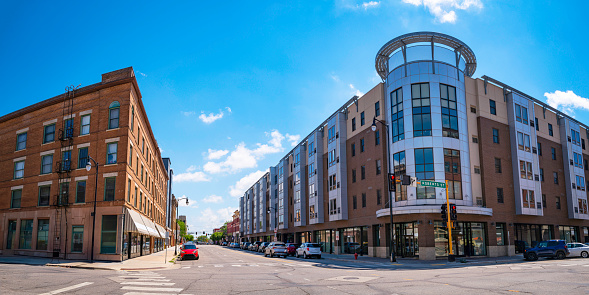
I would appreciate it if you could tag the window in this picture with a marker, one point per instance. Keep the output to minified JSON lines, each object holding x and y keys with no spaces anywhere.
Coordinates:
{"x":500,"y":195}
{"x":331,"y":134}
{"x":362,"y":120}
{"x":528,"y":198}
{"x":575,"y":137}
{"x":44,"y":195}
{"x":527,"y":145}
{"x":82,"y":157}
{"x":132,"y":117}
{"x":81,"y":191}
{"x":66,"y":161}
{"x":298,"y":215}
{"x":363,"y":172}
{"x":362,"y":145}
{"x":497,"y":165}
{"x":354,"y":203}
{"x":363,"y":200}
{"x":353,"y":124}
{"x":558,"y":203}
{"x":525,"y":115}
{"x":77,"y":238}
{"x":297,"y":178}
{"x":85,"y":128}
{"x":378,"y":167}
{"x":539,"y":149}
{"x":108,"y":236}
{"x":377,"y":137}
{"x":377,"y":108}
{"x":523,"y":142}
{"x":518,"y":113}
{"x":42,"y":234}
{"x":69,"y":128}
{"x":331,"y":158}
{"x":475,"y":139}
{"x":424,"y":167}
{"x":578,"y":160}
{"x":449,"y":113}
{"x":311,"y":190}
{"x":111,"y":153}
{"x":378,"y":197}
{"x":21,"y":141}
{"x":398,"y":128}
{"x":544,"y":200}
{"x":46,"y":164}
{"x":131,"y":157}
{"x":113,"y":115}
{"x":26,"y":234}
{"x":64,"y":189}
{"x":11,"y":233}
{"x":332,"y":182}
{"x":493,"y":107}
{"x":353,"y":149}
{"x":542,"y":174}
{"x":19,"y":169}
{"x":422,"y":122}
{"x":311,"y":148}
{"x":353,"y":175}
{"x":580,"y":182}
{"x":495,"y":135}
{"x":311,"y":169}
{"x":537,"y":125}
{"x":553,"y":151}
{"x":585,"y":164}
{"x":49,"y":133}
{"x":583,"y":143}
{"x":136,"y":197}
{"x":399,"y":169}
{"x":109,"y":188}
{"x":550,"y":129}
{"x":555,"y":175}
{"x":452,"y":173}
{"x":526,"y":170}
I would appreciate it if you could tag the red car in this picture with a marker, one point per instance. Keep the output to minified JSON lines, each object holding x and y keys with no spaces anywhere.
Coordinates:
{"x":291,"y":248}
{"x":189,"y":251}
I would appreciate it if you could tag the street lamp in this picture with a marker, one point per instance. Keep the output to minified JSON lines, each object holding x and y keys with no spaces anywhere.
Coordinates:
{"x":88,"y":168}
{"x":176,"y":243}
{"x":391,"y":194}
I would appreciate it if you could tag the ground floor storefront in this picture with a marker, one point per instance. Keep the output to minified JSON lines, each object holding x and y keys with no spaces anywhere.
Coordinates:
{"x":427,"y":238}
{"x":117,"y":233}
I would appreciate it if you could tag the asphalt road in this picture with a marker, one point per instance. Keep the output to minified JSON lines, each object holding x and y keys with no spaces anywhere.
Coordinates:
{"x":230,"y":271}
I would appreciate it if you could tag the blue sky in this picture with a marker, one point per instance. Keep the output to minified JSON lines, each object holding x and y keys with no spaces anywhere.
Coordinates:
{"x":230,"y":87}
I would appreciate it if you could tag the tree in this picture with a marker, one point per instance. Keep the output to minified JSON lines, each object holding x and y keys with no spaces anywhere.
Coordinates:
{"x":189,"y":237}
{"x":202,"y":239}
{"x":217,"y":236}
{"x":181,"y":227}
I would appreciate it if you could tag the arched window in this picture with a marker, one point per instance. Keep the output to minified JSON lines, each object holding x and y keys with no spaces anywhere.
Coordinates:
{"x":113,"y":115}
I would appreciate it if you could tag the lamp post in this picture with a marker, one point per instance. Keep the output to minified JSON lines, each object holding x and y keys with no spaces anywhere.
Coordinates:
{"x":391,"y":194}
{"x":176,"y":243}
{"x":88,"y":168}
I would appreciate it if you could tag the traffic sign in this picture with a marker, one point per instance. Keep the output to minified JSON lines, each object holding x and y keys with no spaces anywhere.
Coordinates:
{"x":432,"y":184}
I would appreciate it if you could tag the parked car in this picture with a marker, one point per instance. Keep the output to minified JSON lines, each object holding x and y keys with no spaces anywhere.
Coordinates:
{"x":291,"y":248}
{"x":234,"y":245}
{"x":255,"y":245}
{"x":263,"y":246}
{"x":223,"y":243}
{"x":189,"y":251}
{"x":276,"y":249}
{"x":578,"y":249}
{"x":352,"y":247}
{"x":245,"y":245}
{"x":307,"y":250}
{"x":553,"y":248}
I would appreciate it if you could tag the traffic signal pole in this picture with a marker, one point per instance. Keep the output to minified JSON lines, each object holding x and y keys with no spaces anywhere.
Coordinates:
{"x":449,"y":225}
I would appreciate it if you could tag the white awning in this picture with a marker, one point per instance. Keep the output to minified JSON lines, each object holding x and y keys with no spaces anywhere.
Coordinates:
{"x":134,"y":223}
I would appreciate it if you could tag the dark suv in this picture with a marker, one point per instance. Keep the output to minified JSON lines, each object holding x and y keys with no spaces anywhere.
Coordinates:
{"x":553,"y":248}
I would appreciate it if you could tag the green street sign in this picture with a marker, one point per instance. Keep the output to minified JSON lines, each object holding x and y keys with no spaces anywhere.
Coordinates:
{"x":432,"y":184}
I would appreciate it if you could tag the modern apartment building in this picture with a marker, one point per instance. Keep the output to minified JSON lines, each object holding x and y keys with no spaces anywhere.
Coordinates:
{"x":90,"y":150}
{"x":516,"y":167}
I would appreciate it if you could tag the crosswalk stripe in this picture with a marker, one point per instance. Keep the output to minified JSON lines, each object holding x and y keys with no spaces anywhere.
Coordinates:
{"x":138,"y":278}
{"x":218,"y":265}
{"x":148,"y":283}
{"x":145,"y":293}
{"x":236,"y":265}
{"x":177,"y":290}
{"x":148,"y":280}
{"x":68,"y":288}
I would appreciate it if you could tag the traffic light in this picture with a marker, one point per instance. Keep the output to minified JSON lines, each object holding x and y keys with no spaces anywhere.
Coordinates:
{"x":203,"y":233}
{"x":444,"y":212}
{"x":406,"y":179}
{"x":453,"y":214}
{"x":392,"y":183}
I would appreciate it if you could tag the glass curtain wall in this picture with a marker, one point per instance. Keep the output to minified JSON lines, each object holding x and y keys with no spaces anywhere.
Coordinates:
{"x":468,"y":239}
{"x":569,"y":233}
{"x":528,"y":235}
{"x":354,"y":240}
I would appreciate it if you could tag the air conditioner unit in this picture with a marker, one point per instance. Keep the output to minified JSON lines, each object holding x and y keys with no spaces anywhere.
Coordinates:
{"x":314,"y":150}
{"x":315,"y":193}
{"x":532,"y":123}
{"x":338,"y":184}
{"x":537,"y":177}
{"x":574,"y":185}
{"x":479,"y":201}
{"x":571,"y":162}
{"x":534,"y":150}
{"x":569,"y":138}
{"x":337,"y":160}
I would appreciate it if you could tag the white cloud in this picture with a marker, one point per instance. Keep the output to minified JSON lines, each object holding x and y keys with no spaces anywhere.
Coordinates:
{"x":356,"y":91}
{"x":209,"y":219}
{"x":216,"y":154}
{"x":444,"y":10}
{"x":140,"y":73}
{"x":191,"y":203}
{"x":244,"y":183}
{"x":213,"y":199}
{"x":210,"y":118}
{"x":243,"y":157}
{"x":191,"y":176}
{"x":334,"y":78}
{"x":566,"y":101}
{"x":188,"y":114}
{"x":364,"y":5}
{"x":371,"y":4}
{"x":228,"y":109}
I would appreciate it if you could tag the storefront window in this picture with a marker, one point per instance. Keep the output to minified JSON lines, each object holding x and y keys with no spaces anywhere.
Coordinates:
{"x":26,"y":234}
{"x":42,"y":234}
{"x":500,"y":228}
{"x":569,"y":233}
{"x":108,"y":240}
{"x":468,"y":239}
{"x":11,"y":232}
{"x":354,"y":240}
{"x":77,"y":238}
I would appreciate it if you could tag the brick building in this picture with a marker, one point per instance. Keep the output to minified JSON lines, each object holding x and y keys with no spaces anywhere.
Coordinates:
{"x":48,"y":195}
{"x":233,"y":228}
{"x":516,"y":168}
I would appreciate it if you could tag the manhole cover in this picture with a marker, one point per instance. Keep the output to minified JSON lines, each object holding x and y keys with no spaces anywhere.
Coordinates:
{"x":350,"y":278}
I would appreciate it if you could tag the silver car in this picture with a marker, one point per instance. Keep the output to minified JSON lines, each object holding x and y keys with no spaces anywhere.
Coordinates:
{"x":307,"y":250}
{"x":276,"y":249}
{"x":578,"y":249}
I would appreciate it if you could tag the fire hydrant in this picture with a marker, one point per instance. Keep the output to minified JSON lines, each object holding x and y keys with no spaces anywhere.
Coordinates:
{"x":356,"y":255}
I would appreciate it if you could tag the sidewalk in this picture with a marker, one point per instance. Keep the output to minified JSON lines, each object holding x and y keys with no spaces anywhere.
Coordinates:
{"x":417,"y":262}
{"x":148,"y":262}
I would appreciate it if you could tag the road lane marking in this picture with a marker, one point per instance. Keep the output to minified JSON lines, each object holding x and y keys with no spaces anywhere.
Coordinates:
{"x":146,"y":279}
{"x":68,"y":288}
{"x":218,"y":265}
{"x":177,"y":290}
{"x":237,"y":265}
{"x":148,"y":283}
{"x":307,"y":280}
